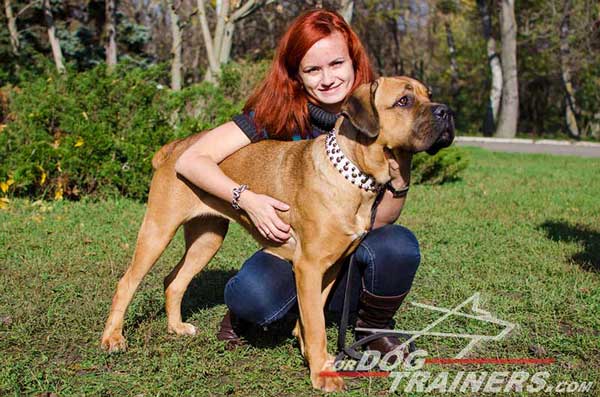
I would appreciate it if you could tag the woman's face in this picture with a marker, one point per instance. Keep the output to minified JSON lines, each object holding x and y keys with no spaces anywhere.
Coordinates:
{"x":327,"y":73}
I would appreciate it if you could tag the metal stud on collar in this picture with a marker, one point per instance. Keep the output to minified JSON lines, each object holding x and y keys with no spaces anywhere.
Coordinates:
{"x":347,"y":168}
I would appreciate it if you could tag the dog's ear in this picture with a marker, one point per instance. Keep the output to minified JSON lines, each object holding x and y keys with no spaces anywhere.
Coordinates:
{"x":360,"y":110}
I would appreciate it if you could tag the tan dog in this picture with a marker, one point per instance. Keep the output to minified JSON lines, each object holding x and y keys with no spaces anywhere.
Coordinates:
{"x":328,"y":214}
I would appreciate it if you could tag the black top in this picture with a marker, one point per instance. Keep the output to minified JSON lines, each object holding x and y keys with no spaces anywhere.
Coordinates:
{"x":321,"y":122}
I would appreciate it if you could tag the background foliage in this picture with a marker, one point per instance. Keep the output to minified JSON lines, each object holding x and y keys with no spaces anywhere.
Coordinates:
{"x":94,"y":134}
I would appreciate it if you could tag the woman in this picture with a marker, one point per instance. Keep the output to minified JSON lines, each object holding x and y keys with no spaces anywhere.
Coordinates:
{"x":318,"y":63}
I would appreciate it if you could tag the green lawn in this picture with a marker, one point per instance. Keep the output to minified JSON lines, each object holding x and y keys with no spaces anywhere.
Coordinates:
{"x":522,"y":230}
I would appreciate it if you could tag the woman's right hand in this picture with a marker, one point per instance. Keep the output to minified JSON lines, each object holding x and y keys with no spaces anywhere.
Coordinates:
{"x":262,"y":211}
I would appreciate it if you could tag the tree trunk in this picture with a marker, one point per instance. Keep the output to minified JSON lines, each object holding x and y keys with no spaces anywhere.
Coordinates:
{"x":570,"y":106}
{"x":346,"y":10}
{"x":222,"y":12}
{"x":218,"y":47}
{"x":213,"y":66}
{"x":54,"y":43}
{"x":12,"y":27}
{"x":111,"y":34}
{"x":509,"y":111}
{"x":491,"y":118}
{"x":454,"y":87}
{"x":176,"y":64}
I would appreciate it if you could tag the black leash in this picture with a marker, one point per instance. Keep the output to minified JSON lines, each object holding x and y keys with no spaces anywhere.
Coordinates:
{"x":351,"y":351}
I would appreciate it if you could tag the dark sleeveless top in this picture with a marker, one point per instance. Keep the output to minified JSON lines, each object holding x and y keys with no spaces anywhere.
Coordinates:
{"x":321,"y":122}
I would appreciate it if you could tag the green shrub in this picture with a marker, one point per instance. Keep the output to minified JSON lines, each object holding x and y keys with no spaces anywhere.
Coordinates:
{"x":94,"y":134}
{"x":445,"y":166}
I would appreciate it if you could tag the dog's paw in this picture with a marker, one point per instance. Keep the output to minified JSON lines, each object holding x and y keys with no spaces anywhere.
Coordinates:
{"x":183,"y":329}
{"x":327,"y":381}
{"x":114,"y":343}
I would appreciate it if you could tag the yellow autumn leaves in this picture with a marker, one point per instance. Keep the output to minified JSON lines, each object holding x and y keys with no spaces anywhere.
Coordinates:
{"x":4,"y":185}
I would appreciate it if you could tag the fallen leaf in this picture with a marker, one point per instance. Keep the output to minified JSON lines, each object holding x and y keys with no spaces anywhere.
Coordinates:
{"x":85,"y":116}
{"x":4,"y":203}
{"x":537,"y":350}
{"x":2,"y":127}
{"x":58,"y":194}
{"x":4,"y":187}
{"x":79,"y":142}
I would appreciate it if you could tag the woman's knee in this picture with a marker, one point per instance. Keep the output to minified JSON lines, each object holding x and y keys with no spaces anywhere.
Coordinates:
{"x":391,"y":257}
{"x":395,"y":245}
{"x":263,"y":290}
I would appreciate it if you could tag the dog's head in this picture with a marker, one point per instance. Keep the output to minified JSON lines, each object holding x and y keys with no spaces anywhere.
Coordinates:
{"x":398,"y":114}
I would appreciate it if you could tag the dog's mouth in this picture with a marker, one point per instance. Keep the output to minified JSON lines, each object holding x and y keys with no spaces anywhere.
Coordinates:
{"x":444,"y":140}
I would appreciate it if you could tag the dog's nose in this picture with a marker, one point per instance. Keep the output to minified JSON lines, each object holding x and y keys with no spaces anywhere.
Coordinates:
{"x":442,"y":112}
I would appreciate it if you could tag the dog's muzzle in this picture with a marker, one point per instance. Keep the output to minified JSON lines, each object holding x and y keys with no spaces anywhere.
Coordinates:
{"x":443,"y":124}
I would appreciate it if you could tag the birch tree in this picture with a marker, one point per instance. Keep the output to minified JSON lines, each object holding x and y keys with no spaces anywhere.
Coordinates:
{"x":54,"y":42}
{"x":111,"y":34}
{"x":218,"y":45}
{"x":346,"y":10}
{"x":176,"y":51}
{"x":12,"y":27}
{"x":509,"y":111}
{"x":493,"y":108}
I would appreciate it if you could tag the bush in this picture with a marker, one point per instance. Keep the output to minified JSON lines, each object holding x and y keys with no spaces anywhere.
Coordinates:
{"x":94,"y":134}
{"x":445,"y":166}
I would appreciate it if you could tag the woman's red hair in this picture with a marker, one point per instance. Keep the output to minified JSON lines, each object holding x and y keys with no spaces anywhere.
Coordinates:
{"x":280,"y":102}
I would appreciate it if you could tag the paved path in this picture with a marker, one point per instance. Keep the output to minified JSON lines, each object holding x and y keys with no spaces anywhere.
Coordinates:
{"x":581,"y":149}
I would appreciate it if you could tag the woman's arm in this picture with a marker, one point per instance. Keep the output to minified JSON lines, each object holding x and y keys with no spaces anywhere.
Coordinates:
{"x":199,"y":165}
{"x":389,"y":208}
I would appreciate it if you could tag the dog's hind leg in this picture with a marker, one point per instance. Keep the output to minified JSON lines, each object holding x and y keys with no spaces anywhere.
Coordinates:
{"x":203,"y":238}
{"x":154,"y":236}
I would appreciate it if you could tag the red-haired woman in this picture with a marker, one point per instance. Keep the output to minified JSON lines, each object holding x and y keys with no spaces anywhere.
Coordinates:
{"x":319,"y":62}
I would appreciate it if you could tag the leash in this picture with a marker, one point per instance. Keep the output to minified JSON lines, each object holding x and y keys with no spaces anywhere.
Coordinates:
{"x":352,"y":351}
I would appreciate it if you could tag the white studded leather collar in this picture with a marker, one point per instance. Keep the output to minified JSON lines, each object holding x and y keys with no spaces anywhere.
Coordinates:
{"x":347,"y":168}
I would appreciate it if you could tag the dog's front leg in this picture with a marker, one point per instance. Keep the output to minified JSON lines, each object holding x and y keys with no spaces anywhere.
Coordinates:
{"x":309,"y":285}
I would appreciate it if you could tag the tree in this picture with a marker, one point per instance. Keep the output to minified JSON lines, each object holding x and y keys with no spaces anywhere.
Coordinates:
{"x":491,"y":117}
{"x":570,"y":105}
{"x":447,"y":8}
{"x":176,"y":64}
{"x":54,"y":42}
{"x":346,"y":9}
{"x":12,"y":27}
{"x":509,"y":111}
{"x":218,"y":46}
{"x":111,"y":34}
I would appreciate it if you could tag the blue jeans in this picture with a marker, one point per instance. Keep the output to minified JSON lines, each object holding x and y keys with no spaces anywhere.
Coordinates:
{"x":264,"y":289}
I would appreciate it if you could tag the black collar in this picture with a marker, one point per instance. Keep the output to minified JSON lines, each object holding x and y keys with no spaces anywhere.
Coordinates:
{"x":321,"y":118}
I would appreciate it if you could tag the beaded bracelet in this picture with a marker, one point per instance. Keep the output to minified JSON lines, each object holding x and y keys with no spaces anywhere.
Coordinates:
{"x":237,"y":191}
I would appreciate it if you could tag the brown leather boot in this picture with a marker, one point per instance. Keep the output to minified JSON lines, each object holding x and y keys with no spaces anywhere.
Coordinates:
{"x":378,"y":312}
{"x":230,"y":326}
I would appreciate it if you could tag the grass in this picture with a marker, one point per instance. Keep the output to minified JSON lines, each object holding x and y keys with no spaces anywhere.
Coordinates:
{"x":522,"y":230}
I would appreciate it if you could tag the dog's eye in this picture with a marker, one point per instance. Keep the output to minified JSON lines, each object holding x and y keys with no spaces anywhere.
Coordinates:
{"x":402,"y":102}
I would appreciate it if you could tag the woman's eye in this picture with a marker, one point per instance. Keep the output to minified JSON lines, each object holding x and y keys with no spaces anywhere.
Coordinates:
{"x":402,"y":102}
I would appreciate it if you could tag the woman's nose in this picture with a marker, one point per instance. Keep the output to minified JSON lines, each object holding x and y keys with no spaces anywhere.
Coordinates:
{"x":327,"y":78}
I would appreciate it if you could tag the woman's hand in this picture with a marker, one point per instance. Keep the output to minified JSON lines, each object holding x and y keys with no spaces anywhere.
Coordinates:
{"x":262,"y":211}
